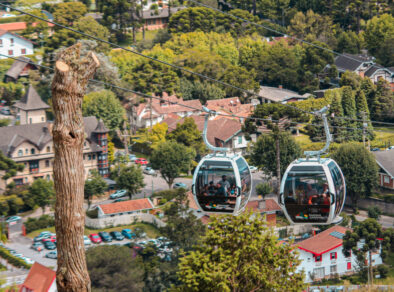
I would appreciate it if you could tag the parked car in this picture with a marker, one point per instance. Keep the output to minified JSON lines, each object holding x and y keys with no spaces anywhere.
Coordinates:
{"x":95,"y":238}
{"x":5,"y":111}
{"x":141,"y":161}
{"x":49,"y":245}
{"x":105,"y":236}
{"x":375,"y":149}
{"x":43,"y":233}
{"x":50,"y":238}
{"x":179,"y":185}
{"x":38,"y":246}
{"x":27,"y":260}
{"x":13,"y":219}
{"x":117,"y":235}
{"x":118,"y":194}
{"x":132,"y":157}
{"x":150,"y":171}
{"x":253,"y":168}
{"x":390,"y":147}
{"x":128,"y":233}
{"x":40,"y":238}
{"x":51,"y":255}
{"x":86,"y":240}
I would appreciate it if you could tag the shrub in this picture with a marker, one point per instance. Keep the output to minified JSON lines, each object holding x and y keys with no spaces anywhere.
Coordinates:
{"x":383,"y":271}
{"x":15,"y":261}
{"x":44,"y":221}
{"x":263,"y":189}
{"x":374,"y":212}
{"x":169,"y":194}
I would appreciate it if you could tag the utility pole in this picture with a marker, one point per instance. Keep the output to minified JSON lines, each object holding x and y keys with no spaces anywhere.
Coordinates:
{"x":69,"y":84}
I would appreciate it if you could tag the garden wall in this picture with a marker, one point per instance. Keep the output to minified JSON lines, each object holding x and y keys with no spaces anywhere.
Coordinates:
{"x":385,"y":207}
{"x":101,"y":223}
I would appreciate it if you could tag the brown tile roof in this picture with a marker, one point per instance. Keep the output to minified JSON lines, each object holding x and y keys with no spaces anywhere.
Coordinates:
{"x":270,"y":206}
{"x":127,"y":206}
{"x":18,"y":66}
{"x":31,"y":101}
{"x":39,"y":279}
{"x":16,"y":26}
{"x":323,"y":242}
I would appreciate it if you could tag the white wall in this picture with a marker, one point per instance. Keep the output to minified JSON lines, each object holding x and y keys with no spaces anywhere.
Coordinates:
{"x":19,"y":44}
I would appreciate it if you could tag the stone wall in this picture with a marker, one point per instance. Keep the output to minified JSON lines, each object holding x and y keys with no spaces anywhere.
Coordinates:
{"x":101,"y":223}
{"x":385,"y":207}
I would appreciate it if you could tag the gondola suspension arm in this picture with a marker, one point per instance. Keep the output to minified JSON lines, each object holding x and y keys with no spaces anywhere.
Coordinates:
{"x":204,"y":134}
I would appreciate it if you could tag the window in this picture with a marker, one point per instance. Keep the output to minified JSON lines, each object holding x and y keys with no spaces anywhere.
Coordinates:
{"x":12,"y":41}
{"x":319,"y":273}
{"x":32,"y":151}
{"x":349,"y":265}
{"x":20,"y":153}
{"x":30,"y":121}
{"x":48,"y":148}
{"x":27,"y":151}
{"x":23,"y":51}
{"x":333,"y":269}
{"x":89,"y":157}
{"x":350,"y":254}
{"x":42,"y":119}
{"x":48,"y":177}
{"x":94,"y":156}
{"x":18,"y":181}
{"x":239,"y":139}
{"x":10,"y":52}
{"x":46,"y":163}
{"x":386,"y":179}
{"x":318,"y":258}
{"x":33,"y":166}
{"x":333,"y":256}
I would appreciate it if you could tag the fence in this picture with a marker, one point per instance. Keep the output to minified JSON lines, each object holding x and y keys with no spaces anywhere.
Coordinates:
{"x":101,"y":223}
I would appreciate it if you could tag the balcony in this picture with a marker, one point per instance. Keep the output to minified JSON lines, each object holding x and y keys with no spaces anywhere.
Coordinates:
{"x":34,"y":170}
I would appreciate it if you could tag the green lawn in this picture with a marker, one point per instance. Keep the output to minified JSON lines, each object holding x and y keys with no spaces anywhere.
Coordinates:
{"x":150,"y":230}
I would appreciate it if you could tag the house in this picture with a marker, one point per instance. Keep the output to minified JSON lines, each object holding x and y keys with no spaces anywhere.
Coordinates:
{"x":362,"y":65}
{"x":158,"y":19}
{"x":17,"y":27}
{"x":31,"y":109}
{"x":269,"y":94}
{"x":125,"y":207}
{"x":269,"y":207}
{"x":231,"y":106}
{"x":20,"y":68}
{"x":14,"y":45}
{"x":385,"y":160}
{"x":31,"y":145}
{"x":322,"y":256}
{"x":222,"y":132}
{"x":39,"y":279}
{"x":143,"y":115}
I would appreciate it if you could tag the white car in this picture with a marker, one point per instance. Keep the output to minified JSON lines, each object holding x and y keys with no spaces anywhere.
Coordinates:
{"x":27,"y":260}
{"x":13,"y":219}
{"x":86,"y":240}
{"x":253,"y":168}
{"x":150,"y":171}
{"x":391,"y":147}
{"x":118,"y":194}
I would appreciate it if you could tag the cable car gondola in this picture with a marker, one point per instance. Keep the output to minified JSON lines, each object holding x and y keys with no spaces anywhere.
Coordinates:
{"x":313,"y":189}
{"x":222,"y":182}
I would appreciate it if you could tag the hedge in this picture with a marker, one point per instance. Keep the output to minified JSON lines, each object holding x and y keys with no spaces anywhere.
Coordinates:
{"x":42,"y":222}
{"x":13,"y":260}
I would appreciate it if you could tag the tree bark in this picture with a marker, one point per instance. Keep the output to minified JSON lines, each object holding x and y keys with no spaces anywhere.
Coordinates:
{"x":68,"y":88}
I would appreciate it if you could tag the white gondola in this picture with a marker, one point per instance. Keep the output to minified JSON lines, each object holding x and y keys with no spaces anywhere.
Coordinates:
{"x":313,"y":189}
{"x":222,"y":182}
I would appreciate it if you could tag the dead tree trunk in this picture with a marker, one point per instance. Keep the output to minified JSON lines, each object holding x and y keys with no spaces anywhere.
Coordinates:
{"x":68,"y":88}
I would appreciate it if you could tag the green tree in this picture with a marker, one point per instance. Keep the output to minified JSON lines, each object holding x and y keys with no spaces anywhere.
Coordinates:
{"x":131,"y":179}
{"x":113,"y":268}
{"x":242,"y":78}
{"x":383,"y":103}
{"x":69,"y":12}
{"x":4,"y":122}
{"x":189,"y":135}
{"x":365,"y":234}
{"x":369,"y":90}
{"x":11,"y":92}
{"x":337,"y":123}
{"x":239,"y":253}
{"x":43,"y":193}
{"x":351,"y":79}
{"x":263,"y":189}
{"x":348,"y":103}
{"x":15,"y":204}
{"x":359,"y":168}
{"x":264,"y":152}
{"x":374,"y":212}
{"x":182,"y":226}
{"x":378,"y":31}
{"x":200,"y":90}
{"x":349,"y":42}
{"x":95,"y":185}
{"x":39,"y":29}
{"x":152,"y":138}
{"x":9,"y":166}
{"x":172,"y":159}
{"x":104,"y":105}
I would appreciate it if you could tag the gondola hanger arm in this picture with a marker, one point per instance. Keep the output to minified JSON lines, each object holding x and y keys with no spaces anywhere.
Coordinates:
{"x":224,"y":150}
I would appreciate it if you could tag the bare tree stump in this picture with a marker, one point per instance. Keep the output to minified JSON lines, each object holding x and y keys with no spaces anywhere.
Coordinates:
{"x":68,"y":88}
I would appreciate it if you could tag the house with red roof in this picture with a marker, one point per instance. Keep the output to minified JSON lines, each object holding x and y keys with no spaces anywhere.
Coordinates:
{"x":130,"y":207}
{"x":39,"y":279}
{"x":268,"y":207}
{"x":322,"y":255}
{"x":14,"y":45}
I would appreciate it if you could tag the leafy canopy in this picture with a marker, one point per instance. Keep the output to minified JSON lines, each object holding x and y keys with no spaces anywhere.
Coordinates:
{"x":130,"y":178}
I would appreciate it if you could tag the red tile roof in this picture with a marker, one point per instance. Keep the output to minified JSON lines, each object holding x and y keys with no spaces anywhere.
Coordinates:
{"x":270,"y":206}
{"x":16,"y":26}
{"x":39,"y":279}
{"x":192,"y":202}
{"x":127,"y":206}
{"x":323,"y":242}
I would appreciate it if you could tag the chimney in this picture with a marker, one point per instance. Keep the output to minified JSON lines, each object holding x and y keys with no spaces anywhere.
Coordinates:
{"x":261,"y":205}
{"x":280,"y":86}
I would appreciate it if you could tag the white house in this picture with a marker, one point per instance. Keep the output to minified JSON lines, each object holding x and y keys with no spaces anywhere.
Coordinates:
{"x":14,"y":45}
{"x":39,"y":279}
{"x":322,"y":257}
{"x":126,"y":207}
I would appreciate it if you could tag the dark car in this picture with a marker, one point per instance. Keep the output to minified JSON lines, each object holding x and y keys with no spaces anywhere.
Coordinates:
{"x":38,"y":246}
{"x":105,"y":236}
{"x":375,"y":149}
{"x":116,"y":235}
{"x":128,"y":233}
{"x":49,"y":245}
{"x":51,"y":255}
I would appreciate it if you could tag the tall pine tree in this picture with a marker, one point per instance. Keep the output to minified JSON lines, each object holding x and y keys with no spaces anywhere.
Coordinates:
{"x":337,"y":124}
{"x":369,"y":90}
{"x":363,"y":112}
{"x":383,"y":103}
{"x":349,"y":111}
